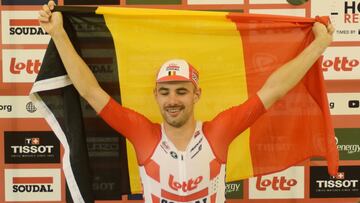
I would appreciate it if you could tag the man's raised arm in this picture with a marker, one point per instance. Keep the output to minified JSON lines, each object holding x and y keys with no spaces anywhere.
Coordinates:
{"x":78,"y":71}
{"x":287,"y":76}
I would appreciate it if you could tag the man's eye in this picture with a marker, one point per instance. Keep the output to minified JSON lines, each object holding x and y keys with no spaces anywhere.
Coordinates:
{"x":164,"y":92}
{"x":182,"y":92}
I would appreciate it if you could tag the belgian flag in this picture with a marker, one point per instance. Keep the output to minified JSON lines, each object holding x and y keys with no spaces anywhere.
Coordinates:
{"x":234,"y":54}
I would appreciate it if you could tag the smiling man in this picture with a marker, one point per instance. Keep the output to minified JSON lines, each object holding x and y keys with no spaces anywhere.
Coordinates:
{"x":182,"y":159}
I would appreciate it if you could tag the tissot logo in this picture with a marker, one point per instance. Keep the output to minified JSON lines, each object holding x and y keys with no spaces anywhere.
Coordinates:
{"x":32,"y":185}
{"x":344,"y":184}
{"x":285,"y":184}
{"x":22,"y":27}
{"x":31,"y":147}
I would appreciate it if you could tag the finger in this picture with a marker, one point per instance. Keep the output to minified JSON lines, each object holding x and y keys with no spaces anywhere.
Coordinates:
{"x":330,"y":28}
{"x":42,"y":13}
{"x":43,"y":19}
{"x":51,"y":5}
{"x":46,"y":9}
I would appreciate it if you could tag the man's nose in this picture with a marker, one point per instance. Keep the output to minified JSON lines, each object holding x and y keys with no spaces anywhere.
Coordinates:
{"x":172,"y":98}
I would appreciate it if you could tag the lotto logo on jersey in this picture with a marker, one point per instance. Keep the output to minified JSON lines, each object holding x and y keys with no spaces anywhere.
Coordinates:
{"x":32,"y":185}
{"x":22,"y":27}
{"x":341,"y":67}
{"x":345,"y":15}
{"x":282,"y":185}
{"x":21,"y":65}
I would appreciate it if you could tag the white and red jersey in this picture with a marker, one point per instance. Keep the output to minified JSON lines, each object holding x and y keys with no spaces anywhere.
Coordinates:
{"x":194,"y":175}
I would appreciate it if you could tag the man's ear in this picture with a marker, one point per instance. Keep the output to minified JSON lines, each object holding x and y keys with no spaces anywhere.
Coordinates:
{"x":197,"y":93}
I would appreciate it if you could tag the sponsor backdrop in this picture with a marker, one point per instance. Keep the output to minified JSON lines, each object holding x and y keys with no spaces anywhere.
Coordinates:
{"x":30,"y":154}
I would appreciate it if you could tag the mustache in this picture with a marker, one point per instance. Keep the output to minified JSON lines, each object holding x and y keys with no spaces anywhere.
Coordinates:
{"x":174,"y":106}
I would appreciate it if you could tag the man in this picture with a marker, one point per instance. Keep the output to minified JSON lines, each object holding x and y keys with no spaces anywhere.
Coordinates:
{"x":181,"y":160}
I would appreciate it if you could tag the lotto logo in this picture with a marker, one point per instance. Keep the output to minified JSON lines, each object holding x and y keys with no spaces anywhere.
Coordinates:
{"x":341,"y":67}
{"x":21,"y":65}
{"x":281,"y":185}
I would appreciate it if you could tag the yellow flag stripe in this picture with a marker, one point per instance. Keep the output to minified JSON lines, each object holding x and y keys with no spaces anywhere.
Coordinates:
{"x":212,"y":44}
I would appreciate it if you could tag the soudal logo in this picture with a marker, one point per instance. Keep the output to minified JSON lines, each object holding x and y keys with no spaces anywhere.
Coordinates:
{"x":32,"y":185}
{"x":184,"y":186}
{"x":344,"y":184}
{"x":100,"y":64}
{"x":25,"y":27}
{"x":339,"y":63}
{"x":21,"y":65}
{"x":285,"y":184}
{"x":22,"y":27}
{"x":31,"y":147}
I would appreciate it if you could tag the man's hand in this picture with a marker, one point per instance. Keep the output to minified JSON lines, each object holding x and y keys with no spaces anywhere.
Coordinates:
{"x":51,"y":22}
{"x":323,"y":34}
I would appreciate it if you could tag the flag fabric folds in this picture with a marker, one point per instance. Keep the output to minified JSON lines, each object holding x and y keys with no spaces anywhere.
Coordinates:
{"x":234,"y":54}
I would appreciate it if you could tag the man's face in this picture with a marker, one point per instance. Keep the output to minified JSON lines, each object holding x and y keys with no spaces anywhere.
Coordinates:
{"x":176,"y":101}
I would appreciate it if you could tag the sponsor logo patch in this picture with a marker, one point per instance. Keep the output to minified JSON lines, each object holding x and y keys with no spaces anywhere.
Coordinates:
{"x":344,"y":184}
{"x":21,"y":65}
{"x":22,"y":27}
{"x":282,"y":185}
{"x":31,"y":147}
{"x":32,"y":185}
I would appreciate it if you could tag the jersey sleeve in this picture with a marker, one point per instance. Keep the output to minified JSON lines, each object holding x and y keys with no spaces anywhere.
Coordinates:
{"x":139,"y":130}
{"x":228,"y":124}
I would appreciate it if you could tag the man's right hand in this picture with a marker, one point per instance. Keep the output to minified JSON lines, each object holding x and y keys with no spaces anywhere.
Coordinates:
{"x":51,"y":21}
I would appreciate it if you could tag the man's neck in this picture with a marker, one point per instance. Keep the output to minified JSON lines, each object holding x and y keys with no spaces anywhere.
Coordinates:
{"x":180,"y":136}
